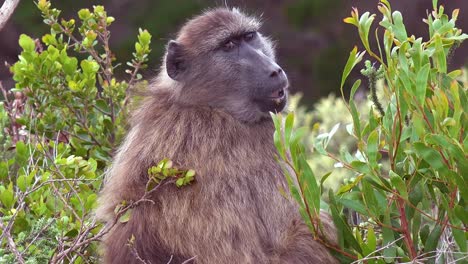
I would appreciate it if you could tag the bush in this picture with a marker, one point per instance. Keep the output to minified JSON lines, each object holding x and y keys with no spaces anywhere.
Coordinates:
{"x":328,"y":114}
{"x":61,"y":121}
{"x":416,"y":209}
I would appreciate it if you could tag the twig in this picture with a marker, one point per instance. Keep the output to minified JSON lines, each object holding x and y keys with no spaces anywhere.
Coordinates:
{"x":190,"y":259}
{"x":136,"y":255}
{"x":405,"y":229}
{"x":368,"y":257}
{"x":37,"y":235}
{"x":6,"y":11}
{"x":11,"y":243}
{"x":83,"y":241}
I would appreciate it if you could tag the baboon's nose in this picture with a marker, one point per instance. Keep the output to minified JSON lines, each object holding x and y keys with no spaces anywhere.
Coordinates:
{"x":276,"y":72}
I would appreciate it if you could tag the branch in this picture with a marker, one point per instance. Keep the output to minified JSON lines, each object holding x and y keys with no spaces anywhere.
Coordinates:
{"x":7,"y":10}
{"x":11,"y":242}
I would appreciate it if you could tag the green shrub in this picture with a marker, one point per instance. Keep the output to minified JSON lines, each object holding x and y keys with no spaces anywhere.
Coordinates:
{"x":328,"y":114}
{"x":415,"y":208}
{"x":62,"y":121}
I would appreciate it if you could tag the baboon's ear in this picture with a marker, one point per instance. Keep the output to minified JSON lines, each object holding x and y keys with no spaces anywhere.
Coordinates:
{"x":175,"y":63}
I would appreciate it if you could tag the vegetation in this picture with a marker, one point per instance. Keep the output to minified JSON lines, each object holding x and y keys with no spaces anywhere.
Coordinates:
{"x":402,"y":160}
{"x":415,"y":208}
{"x":61,"y":121}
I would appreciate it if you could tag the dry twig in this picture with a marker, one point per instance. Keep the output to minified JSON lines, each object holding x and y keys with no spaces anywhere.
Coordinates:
{"x":6,"y":11}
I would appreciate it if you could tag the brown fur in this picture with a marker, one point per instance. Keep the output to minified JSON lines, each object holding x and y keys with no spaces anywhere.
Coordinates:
{"x":233,"y":213}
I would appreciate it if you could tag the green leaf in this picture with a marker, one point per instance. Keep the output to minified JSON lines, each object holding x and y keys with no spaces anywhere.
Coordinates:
{"x":7,"y":196}
{"x":288,"y":126}
{"x":277,"y":136}
{"x":354,"y":58}
{"x":348,"y":187}
{"x":70,"y":66}
{"x":180,"y":182}
{"x":421,"y":83}
{"x":356,"y":85}
{"x":91,"y":202}
{"x":356,"y":119}
{"x":431,"y":156}
{"x":308,"y":182}
{"x":448,"y":144}
{"x":125,"y":217}
{"x":72,"y":233}
{"x":109,"y":20}
{"x":152,"y":183}
{"x":370,"y":198}
{"x":297,"y":135}
{"x":103,"y":106}
{"x":399,"y":184}
{"x":365,"y":22}
{"x":388,"y":238}
{"x":190,"y":173}
{"x":89,"y":66}
{"x":399,"y":27}
{"x":371,"y":239}
{"x":424,"y":233}
{"x":27,"y":43}
{"x":462,"y":213}
{"x":440,"y":56}
{"x":21,"y":153}
{"x":355,"y":205}
{"x":84,"y":14}
{"x":21,"y":182}
{"x":460,"y":239}
{"x":372,"y":148}
{"x":323,"y":179}
{"x":458,"y":38}
{"x":3,"y":170}
{"x":344,"y":233}
{"x":432,"y":240}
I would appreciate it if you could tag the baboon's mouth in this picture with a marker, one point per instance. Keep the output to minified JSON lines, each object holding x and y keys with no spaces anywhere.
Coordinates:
{"x":278,"y":96}
{"x":273,"y":102}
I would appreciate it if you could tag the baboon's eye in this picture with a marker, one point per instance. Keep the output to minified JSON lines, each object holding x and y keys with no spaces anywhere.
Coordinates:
{"x":229,"y":45}
{"x":249,"y":36}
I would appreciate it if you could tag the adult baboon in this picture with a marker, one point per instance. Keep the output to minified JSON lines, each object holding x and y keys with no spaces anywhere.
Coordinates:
{"x":208,"y":110}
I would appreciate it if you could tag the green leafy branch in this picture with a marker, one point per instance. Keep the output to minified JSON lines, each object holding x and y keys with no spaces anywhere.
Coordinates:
{"x":407,"y":200}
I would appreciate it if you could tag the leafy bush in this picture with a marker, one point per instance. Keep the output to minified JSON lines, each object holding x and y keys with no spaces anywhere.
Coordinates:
{"x":328,"y":115}
{"x":61,"y":121}
{"x":416,"y":209}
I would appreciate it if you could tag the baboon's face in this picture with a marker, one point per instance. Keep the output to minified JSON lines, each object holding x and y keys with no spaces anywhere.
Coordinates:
{"x":232,"y":69}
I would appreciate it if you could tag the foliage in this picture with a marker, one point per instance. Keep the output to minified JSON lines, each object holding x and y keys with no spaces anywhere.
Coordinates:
{"x":61,"y":122}
{"x":165,"y":170}
{"x":329,"y":114}
{"x":416,"y":209}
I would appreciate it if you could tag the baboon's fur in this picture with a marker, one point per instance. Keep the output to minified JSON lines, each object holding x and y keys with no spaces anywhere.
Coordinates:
{"x":234,"y":212}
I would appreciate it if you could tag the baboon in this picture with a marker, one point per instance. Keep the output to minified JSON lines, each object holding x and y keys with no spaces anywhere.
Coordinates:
{"x":208,"y":110}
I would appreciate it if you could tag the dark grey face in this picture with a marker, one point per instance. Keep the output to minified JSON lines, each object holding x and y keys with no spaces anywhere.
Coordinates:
{"x":238,"y":74}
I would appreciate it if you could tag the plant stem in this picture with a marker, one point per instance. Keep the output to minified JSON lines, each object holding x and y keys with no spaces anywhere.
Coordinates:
{"x":405,"y":228}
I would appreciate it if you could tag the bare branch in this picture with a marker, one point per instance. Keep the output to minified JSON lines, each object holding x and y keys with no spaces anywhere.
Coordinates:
{"x":11,"y":243}
{"x":189,"y":260}
{"x":7,"y":10}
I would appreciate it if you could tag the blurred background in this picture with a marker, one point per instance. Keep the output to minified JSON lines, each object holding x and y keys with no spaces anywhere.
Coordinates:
{"x":313,"y":42}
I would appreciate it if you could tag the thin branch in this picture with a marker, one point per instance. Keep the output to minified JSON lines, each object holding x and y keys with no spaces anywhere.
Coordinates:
{"x":190,"y":259}
{"x":369,"y":256}
{"x":406,"y":229}
{"x":11,"y":243}
{"x":6,"y":11}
